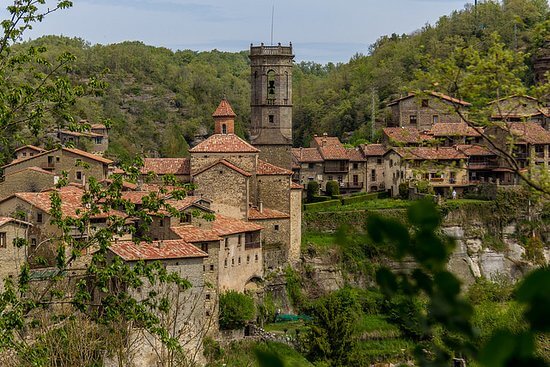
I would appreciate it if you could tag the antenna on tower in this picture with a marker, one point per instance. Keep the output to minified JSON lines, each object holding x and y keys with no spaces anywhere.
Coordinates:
{"x":272,"y":19}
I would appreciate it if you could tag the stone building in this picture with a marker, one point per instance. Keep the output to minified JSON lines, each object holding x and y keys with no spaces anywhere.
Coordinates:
{"x":422,"y":111}
{"x":520,"y":109}
{"x":11,"y":255}
{"x":27,"y":151}
{"x":30,"y":179}
{"x":374,"y":154}
{"x":93,"y":138}
{"x":271,"y":102}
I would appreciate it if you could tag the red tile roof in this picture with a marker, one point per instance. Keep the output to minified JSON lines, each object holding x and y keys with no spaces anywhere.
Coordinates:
{"x":373,"y":150}
{"x":266,"y":213}
{"x":71,"y":200}
{"x":224,"y":226}
{"x":186,"y":202}
{"x":80,"y":133}
{"x":190,"y":233}
{"x":32,"y":147}
{"x":135,"y":197}
{"x":224,"y":110}
{"x":330,"y":148}
{"x":225,"y":163}
{"x":307,"y":155}
{"x":157,"y":250}
{"x":166,"y":166}
{"x":5,"y":220}
{"x":529,"y":132}
{"x":435,"y":94}
{"x":17,"y":161}
{"x":223,"y":143}
{"x":406,"y":135}
{"x":453,"y":129}
{"x":430,"y":153}
{"x":265,"y":168}
{"x":355,"y":155}
{"x":35,"y":169}
{"x":475,"y":150}
{"x":88,"y":155}
{"x":295,"y":186}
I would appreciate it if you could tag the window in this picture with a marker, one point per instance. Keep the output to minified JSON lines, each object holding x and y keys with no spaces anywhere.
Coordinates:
{"x":271,"y":119}
{"x":271,"y":85}
{"x":204,"y":247}
{"x":33,"y":242}
{"x":248,"y":259}
{"x":355,"y":165}
{"x":340,"y":179}
{"x":57,"y":159}
{"x":207,"y":296}
{"x":212,"y":267}
{"x":78,"y":175}
{"x":425,"y":103}
{"x":239,"y":260}
{"x":311,"y":166}
{"x":3,"y":240}
{"x":240,"y":239}
{"x":39,"y":217}
{"x":330,"y":178}
{"x":98,"y":140}
{"x":225,"y":263}
{"x":355,"y":180}
{"x":412,"y":119}
{"x":256,"y":257}
{"x":186,"y":218}
{"x":233,"y":262}
{"x":391,"y":162}
{"x":161,"y":222}
{"x":378,"y":160}
{"x":435,"y":119}
{"x":24,"y":154}
{"x":224,"y":129}
{"x":373,"y":175}
{"x":226,"y":242}
{"x":276,"y":227}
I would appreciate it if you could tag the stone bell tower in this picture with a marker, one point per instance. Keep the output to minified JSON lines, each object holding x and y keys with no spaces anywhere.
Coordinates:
{"x":271,"y":102}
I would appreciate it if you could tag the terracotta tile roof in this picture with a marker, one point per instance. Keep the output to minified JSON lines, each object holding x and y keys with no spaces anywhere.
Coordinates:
{"x":32,"y":147}
{"x":224,"y":110}
{"x":265,"y":168}
{"x":435,"y":94}
{"x":98,"y":126}
{"x":80,"y":133}
{"x":71,"y":200}
{"x":475,"y":150}
{"x":190,"y":233}
{"x":266,"y":213}
{"x":225,"y":163}
{"x":406,"y":135}
{"x":125,"y":184}
{"x":88,"y":155}
{"x":355,"y":155}
{"x":224,"y":226}
{"x":373,"y":150}
{"x":430,"y":153}
{"x":453,"y":129}
{"x":35,"y":169}
{"x":5,"y":220}
{"x":513,"y":96}
{"x":156,"y":250}
{"x":529,"y":132}
{"x":307,"y":155}
{"x":166,"y":166}
{"x":223,"y":143}
{"x":135,"y":197}
{"x":17,"y":161}
{"x":330,"y":148}
{"x":187,"y":202}
{"x":295,"y":186}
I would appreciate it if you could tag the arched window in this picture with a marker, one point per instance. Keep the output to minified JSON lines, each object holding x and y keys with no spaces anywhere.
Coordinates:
{"x":271,"y":85}
{"x":287,"y":85}
{"x":224,"y":129}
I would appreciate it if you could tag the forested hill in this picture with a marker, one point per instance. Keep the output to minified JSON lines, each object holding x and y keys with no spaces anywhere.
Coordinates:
{"x":159,"y":101}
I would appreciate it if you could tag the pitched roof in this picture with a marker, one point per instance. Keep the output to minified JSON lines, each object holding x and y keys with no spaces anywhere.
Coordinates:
{"x":224,"y":110}
{"x":406,"y":135}
{"x":5,"y":220}
{"x":307,"y":155}
{"x":453,"y":129}
{"x":430,"y":153}
{"x":265,"y":168}
{"x":266,"y":213}
{"x":190,"y":233}
{"x":71,"y":199}
{"x":529,"y":132}
{"x":156,"y":250}
{"x":330,"y":148}
{"x":225,"y":163}
{"x":435,"y":94}
{"x":223,"y":143}
{"x":224,"y":226}
{"x":513,"y":96}
{"x":296,"y":186}
{"x":32,"y":147}
{"x":373,"y":150}
{"x":17,"y":161}
{"x":86,"y":134}
{"x":166,"y":166}
{"x":35,"y":169}
{"x":475,"y":150}
{"x":88,"y":155}
{"x":355,"y":155}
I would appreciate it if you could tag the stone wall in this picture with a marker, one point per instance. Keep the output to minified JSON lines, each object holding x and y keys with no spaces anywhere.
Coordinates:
{"x":26,"y":181}
{"x":237,"y":264}
{"x":11,"y":257}
{"x":295,"y":225}
{"x":274,"y":192}
{"x":424,"y":114}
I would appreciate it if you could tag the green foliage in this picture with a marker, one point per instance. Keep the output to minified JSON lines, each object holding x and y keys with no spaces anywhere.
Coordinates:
{"x":312,"y":190}
{"x":534,"y":250}
{"x":404,"y":190}
{"x":483,"y":290}
{"x":360,"y":198}
{"x":236,"y":309}
{"x":332,"y":188}
{"x":294,"y":288}
{"x":424,"y":187}
{"x":332,"y":336}
{"x":322,"y":205}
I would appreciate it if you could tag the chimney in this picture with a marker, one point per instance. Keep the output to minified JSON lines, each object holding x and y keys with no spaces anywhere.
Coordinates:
{"x":261,"y":206}
{"x":224,"y":118}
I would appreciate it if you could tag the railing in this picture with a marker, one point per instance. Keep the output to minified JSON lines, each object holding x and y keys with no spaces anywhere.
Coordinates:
{"x":271,"y":50}
{"x":252,"y":245}
{"x":336,"y":168}
{"x":351,"y":185}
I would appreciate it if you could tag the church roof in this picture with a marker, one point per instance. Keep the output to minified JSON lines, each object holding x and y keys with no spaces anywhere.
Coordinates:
{"x":224,"y":143}
{"x":164,"y":166}
{"x":224,"y":110}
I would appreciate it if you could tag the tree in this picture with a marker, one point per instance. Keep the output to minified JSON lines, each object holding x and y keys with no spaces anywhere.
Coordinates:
{"x":236,"y":309}
{"x":332,"y":189}
{"x":312,"y":190}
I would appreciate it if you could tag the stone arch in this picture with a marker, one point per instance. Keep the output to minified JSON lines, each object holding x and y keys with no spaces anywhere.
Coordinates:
{"x":271,"y":77}
{"x":253,"y":284}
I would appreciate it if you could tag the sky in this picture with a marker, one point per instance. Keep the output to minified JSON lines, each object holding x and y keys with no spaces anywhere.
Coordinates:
{"x":321,"y":31}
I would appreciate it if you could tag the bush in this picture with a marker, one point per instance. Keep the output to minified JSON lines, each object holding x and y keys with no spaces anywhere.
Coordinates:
{"x":500,"y":289}
{"x":404,"y":190}
{"x":359,"y":198}
{"x":319,"y":199}
{"x":236,"y":309}
{"x":322,"y":205}
{"x":312,"y":190}
{"x":424,"y":187}
{"x":332,"y":189}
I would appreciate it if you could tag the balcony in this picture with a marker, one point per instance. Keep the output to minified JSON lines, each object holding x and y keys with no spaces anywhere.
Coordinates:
{"x":336,"y":167}
{"x":252,"y":245}
{"x":270,"y":50}
{"x":351,"y":185}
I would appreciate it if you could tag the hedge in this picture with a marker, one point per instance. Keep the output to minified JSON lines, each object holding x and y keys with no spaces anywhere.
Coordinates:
{"x":322,"y":205}
{"x":360,"y":198}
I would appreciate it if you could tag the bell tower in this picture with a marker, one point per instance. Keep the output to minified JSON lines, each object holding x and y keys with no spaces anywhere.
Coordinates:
{"x":271,"y":102}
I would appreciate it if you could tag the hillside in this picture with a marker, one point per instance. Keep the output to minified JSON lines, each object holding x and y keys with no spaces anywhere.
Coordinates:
{"x":160,"y":101}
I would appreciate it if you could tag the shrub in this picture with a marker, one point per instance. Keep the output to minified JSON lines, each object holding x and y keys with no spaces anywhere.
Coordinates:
{"x":312,"y":190}
{"x":236,"y":309}
{"x":499,"y":289}
{"x":424,"y":187}
{"x":332,"y":189}
{"x":404,"y":190}
{"x":322,"y":205}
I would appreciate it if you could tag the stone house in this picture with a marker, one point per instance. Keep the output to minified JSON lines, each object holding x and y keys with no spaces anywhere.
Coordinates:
{"x":94,"y":139}
{"x":422,"y":111}
{"x":29,"y":179}
{"x":520,"y":109}
{"x":450,"y":134}
{"x":405,"y":137}
{"x":27,"y":151}
{"x":186,"y":318}
{"x":12,"y":256}
{"x":77,"y":163}
{"x":482,"y":164}
{"x":374,"y":154}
